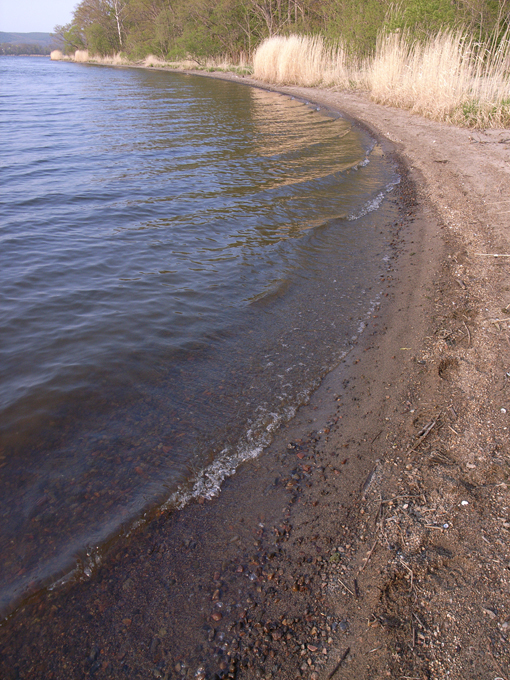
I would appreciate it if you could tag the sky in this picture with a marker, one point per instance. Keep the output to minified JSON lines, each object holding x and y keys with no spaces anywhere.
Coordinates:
{"x":27,"y":16}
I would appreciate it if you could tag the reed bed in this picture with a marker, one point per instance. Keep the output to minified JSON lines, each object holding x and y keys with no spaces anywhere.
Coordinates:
{"x":301,"y":60}
{"x":220,"y":63}
{"x":449,"y":78}
{"x":81,"y":56}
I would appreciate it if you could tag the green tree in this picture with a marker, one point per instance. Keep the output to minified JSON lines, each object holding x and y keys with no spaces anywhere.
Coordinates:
{"x":69,"y":38}
{"x":101,"y":22}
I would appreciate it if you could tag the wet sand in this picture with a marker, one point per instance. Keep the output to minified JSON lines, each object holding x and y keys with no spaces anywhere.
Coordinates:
{"x":369,"y":540}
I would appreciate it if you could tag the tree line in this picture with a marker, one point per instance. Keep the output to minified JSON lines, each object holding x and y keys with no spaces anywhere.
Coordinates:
{"x":174,"y":29}
{"x":23,"y":48}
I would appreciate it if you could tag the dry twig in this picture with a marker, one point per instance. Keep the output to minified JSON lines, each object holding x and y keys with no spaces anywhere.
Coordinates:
{"x":369,"y":555}
{"x":423,"y":434}
{"x":346,"y":587}
{"x":468,"y":333}
{"x":344,"y":657}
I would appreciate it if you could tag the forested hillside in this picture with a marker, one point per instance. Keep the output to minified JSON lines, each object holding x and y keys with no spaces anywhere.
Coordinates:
{"x":25,"y":43}
{"x":204,"y":28}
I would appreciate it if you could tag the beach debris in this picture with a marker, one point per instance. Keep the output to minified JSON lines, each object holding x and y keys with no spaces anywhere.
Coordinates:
{"x":468,"y":333}
{"x":423,"y":433}
{"x":369,"y":555}
{"x":346,"y":587}
{"x":340,"y":662}
{"x":493,"y":254}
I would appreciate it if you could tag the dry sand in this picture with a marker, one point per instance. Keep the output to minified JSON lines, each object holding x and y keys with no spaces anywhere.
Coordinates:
{"x":371,"y":540}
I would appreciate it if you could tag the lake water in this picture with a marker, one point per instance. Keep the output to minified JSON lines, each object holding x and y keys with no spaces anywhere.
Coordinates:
{"x":182,"y":260}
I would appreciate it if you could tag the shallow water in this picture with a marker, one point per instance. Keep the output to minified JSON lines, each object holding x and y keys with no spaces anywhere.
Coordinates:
{"x":182,"y":261}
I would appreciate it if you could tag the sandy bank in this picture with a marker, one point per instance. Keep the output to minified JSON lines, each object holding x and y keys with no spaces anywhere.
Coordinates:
{"x":371,"y":539}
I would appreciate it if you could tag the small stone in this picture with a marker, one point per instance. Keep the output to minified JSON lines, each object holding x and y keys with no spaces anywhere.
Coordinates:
{"x":216,"y":616}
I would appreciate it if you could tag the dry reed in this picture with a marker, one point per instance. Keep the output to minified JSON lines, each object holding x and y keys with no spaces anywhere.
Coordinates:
{"x":81,"y":56}
{"x":113,"y":60}
{"x":153,"y":61}
{"x":56,"y":55}
{"x":449,"y":78}
{"x":300,"y":60}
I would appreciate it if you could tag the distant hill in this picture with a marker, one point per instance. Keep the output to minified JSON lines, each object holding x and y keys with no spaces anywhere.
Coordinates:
{"x":42,"y":39}
{"x":26,"y":43}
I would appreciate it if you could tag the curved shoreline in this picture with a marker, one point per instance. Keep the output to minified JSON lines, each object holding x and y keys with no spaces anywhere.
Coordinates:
{"x":351,"y":541}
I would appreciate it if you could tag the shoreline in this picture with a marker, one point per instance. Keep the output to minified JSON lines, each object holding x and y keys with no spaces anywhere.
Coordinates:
{"x":342,"y":542}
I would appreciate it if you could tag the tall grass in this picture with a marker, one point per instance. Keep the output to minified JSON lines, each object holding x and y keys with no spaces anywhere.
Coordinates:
{"x":81,"y":56}
{"x":220,"y":63}
{"x":448,"y":78}
{"x":301,"y":60}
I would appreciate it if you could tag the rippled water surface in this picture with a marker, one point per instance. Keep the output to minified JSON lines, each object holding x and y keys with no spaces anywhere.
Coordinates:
{"x":182,"y":259}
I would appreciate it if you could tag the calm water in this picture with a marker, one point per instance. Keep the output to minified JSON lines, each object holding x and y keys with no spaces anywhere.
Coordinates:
{"x":182,"y":260}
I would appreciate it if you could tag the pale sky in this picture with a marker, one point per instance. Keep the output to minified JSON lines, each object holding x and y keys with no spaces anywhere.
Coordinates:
{"x":26,"y":16}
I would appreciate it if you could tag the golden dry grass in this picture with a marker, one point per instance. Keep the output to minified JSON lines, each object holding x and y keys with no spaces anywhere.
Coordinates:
{"x":449,"y":78}
{"x":153,"y":61}
{"x":56,"y":55}
{"x":81,"y":56}
{"x":300,"y":60}
{"x":114,"y":60}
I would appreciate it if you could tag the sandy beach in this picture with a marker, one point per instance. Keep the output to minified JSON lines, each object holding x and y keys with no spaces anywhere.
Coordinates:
{"x":371,"y":539}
